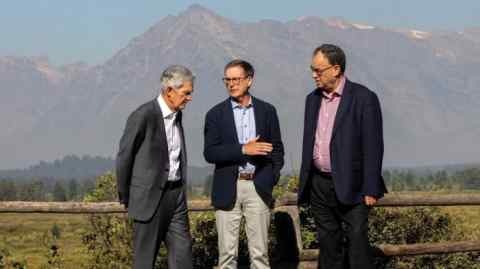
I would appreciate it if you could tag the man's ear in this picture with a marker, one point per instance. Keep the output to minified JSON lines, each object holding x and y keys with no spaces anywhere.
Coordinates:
{"x":250,"y":81}
{"x":168,"y":91}
{"x":337,"y":70}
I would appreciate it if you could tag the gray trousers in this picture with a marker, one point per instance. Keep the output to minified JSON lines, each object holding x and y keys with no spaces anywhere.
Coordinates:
{"x":169,"y":224}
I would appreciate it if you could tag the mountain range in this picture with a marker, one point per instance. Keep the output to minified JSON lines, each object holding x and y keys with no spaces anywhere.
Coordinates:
{"x":426,"y":82}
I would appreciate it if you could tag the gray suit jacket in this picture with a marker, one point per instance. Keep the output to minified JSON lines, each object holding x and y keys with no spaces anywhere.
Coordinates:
{"x":142,"y":163}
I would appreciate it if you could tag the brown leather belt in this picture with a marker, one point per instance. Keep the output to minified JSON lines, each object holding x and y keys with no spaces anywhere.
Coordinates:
{"x":245,"y":176}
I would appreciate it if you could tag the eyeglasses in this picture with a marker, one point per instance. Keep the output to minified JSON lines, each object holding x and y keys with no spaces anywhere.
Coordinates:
{"x":318,"y":71}
{"x":233,"y":80}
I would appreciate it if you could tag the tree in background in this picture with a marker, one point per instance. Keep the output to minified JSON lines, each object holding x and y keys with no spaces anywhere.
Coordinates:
{"x":73,"y":190}
{"x":32,"y":191}
{"x":59,"y":192}
{"x":470,"y":178}
{"x":207,"y":187}
{"x":8,"y":190}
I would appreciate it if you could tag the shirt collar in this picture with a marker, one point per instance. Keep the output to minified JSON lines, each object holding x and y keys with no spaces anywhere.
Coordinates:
{"x":166,"y":111}
{"x":338,"y":91}
{"x":236,"y":104}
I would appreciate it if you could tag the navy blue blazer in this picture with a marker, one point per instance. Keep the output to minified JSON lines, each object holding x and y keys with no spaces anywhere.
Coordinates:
{"x":356,"y":147}
{"x":223,"y":149}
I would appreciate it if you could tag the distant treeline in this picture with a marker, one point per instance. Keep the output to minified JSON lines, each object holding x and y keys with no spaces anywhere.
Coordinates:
{"x":85,"y":167}
{"x":70,"y":178}
{"x":455,"y":180}
{"x":45,"y":189}
{"x":69,"y":167}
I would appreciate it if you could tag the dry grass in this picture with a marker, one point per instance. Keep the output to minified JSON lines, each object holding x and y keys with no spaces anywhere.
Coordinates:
{"x":467,"y":219}
{"x":23,"y":235}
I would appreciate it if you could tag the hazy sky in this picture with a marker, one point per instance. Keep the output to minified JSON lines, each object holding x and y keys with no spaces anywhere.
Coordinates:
{"x":93,"y":30}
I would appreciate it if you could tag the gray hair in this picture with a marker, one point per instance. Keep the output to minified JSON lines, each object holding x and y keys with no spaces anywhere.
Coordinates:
{"x":175,"y":75}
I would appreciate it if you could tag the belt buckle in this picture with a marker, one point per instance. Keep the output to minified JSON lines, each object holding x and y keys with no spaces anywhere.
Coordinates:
{"x":245,"y":176}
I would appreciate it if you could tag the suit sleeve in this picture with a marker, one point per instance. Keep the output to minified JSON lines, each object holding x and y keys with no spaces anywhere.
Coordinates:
{"x":372,"y":140}
{"x":214,"y":150}
{"x":130,"y":142}
{"x":278,"y":151}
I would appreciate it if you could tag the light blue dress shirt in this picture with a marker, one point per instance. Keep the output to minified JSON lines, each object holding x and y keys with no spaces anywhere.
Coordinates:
{"x":246,"y":130}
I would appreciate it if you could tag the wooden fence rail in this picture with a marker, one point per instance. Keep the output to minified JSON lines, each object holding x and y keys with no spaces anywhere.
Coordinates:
{"x":390,"y":200}
{"x":287,"y":204}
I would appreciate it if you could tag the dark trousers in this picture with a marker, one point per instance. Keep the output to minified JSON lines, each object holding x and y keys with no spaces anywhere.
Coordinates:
{"x":169,"y":224}
{"x":342,"y":229}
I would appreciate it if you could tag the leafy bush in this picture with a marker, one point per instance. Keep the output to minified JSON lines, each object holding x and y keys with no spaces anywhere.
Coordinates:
{"x":418,"y":225}
{"x":108,"y":240}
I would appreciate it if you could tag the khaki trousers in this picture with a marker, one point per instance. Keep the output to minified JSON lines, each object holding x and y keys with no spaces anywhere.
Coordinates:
{"x":257,"y":218}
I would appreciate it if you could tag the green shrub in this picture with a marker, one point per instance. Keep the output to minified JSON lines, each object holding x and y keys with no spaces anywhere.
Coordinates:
{"x":108,"y":239}
{"x":418,"y":225}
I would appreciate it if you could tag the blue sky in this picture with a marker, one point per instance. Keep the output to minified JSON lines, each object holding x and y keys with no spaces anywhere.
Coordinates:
{"x":93,"y":30}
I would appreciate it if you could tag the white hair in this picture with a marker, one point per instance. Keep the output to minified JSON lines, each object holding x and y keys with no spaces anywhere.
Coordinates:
{"x":175,"y":75}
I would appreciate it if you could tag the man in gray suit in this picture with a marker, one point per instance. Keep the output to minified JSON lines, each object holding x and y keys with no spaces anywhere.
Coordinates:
{"x":151,"y":173}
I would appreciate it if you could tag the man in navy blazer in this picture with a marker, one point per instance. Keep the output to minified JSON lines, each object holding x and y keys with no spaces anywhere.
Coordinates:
{"x":242,"y":139}
{"x":342,"y":155}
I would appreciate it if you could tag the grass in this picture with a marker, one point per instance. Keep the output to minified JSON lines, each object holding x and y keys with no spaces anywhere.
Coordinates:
{"x":467,"y":219}
{"x":23,"y":235}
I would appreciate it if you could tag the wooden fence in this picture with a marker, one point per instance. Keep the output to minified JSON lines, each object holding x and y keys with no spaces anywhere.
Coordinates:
{"x":287,"y":205}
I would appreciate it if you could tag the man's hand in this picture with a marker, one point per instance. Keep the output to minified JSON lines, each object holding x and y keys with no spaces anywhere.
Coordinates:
{"x":253,"y":147}
{"x":370,"y":200}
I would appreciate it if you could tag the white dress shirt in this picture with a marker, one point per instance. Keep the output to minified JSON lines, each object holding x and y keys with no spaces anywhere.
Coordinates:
{"x":173,"y":139}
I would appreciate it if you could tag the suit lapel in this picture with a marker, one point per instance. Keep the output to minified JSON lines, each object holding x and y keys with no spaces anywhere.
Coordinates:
{"x":343,"y":107}
{"x":182,"y":137}
{"x":161,"y":126}
{"x":259,"y":114}
{"x":183,"y":149}
{"x":229,"y":121}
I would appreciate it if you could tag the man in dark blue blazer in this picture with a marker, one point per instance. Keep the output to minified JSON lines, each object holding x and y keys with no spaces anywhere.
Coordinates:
{"x":242,"y":139}
{"x":342,"y":155}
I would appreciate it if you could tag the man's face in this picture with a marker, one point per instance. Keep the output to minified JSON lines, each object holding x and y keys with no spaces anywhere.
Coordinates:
{"x":237,"y":82}
{"x":179,"y":97}
{"x":324,"y":74}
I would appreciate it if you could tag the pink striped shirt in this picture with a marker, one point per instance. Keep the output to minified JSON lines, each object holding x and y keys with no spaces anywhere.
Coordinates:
{"x":323,"y":135}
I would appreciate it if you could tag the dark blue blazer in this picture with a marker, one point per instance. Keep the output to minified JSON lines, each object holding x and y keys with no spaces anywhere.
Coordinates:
{"x":356,"y":147}
{"x":223,"y":149}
